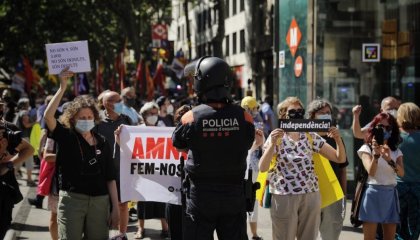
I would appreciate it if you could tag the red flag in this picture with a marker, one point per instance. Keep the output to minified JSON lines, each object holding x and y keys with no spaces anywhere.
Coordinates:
{"x":159,"y":79}
{"x":150,"y":85}
{"x":99,"y":79}
{"x":29,"y":76}
{"x":140,"y":75}
{"x":122,"y":70}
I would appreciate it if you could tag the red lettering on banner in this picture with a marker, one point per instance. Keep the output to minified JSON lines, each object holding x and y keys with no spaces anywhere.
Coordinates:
{"x":137,"y":149}
{"x":171,"y":149}
{"x":155,"y":149}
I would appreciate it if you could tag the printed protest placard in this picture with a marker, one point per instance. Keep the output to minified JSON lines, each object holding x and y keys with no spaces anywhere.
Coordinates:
{"x":305,"y":125}
{"x":68,"y":54}
{"x":150,"y":168}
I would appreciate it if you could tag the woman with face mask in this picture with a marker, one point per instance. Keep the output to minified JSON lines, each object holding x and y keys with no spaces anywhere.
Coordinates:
{"x":85,"y":169}
{"x":295,"y":198}
{"x":150,"y":210}
{"x":332,"y":216}
{"x":383,"y":161}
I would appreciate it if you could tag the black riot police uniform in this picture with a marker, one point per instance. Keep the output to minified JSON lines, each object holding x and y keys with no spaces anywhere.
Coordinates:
{"x":217,"y":135}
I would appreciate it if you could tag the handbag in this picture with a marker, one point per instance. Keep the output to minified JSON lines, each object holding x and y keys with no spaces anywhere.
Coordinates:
{"x":329,"y":186}
{"x":46,"y":175}
{"x":263,"y":194}
{"x":358,"y":194}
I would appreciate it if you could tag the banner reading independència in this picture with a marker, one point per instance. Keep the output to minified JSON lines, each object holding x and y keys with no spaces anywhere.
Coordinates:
{"x":150,"y":168}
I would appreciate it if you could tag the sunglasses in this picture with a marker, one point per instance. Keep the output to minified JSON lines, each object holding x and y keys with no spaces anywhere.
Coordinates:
{"x":387,"y":128}
{"x":295,"y":111}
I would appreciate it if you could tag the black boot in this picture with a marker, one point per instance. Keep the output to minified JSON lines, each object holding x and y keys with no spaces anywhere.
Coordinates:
{"x":37,"y":202}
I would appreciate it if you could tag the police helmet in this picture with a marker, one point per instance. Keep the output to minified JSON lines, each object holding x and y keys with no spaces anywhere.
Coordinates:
{"x":212,"y":80}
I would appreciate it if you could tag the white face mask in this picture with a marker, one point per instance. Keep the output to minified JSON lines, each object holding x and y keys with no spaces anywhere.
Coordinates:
{"x":84,"y":125}
{"x":152,"y":119}
{"x":170,"y":109}
{"x":392,"y":112}
{"x":324,"y":117}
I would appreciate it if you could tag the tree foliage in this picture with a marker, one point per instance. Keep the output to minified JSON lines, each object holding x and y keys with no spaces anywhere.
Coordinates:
{"x":108,"y":25}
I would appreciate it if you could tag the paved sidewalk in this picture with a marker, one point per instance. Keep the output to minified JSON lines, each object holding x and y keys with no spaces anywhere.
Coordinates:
{"x":32,"y":223}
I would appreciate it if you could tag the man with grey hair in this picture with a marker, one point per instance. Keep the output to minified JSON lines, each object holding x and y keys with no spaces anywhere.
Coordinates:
{"x":128,"y":96}
{"x":113,"y":118}
{"x":389,"y":105}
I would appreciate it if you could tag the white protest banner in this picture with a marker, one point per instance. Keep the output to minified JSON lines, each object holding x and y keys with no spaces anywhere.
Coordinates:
{"x":150,"y":169}
{"x":72,"y":54}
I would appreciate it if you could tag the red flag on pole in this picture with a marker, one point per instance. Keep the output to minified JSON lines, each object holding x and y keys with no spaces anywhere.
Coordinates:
{"x":29,"y":76}
{"x":150,"y":85}
{"x":98,"y":85}
{"x":159,"y":79}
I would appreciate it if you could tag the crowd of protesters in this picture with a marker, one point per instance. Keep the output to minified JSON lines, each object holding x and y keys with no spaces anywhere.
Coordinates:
{"x":50,"y":127}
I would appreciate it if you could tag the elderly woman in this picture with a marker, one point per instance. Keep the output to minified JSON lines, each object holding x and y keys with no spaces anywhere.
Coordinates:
{"x":332,"y":216}
{"x":150,"y":210}
{"x":408,"y":186}
{"x":295,"y":202}
{"x":85,"y":169}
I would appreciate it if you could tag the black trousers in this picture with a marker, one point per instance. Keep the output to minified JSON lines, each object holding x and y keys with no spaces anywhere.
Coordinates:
{"x":215,"y":207}
{"x":6,"y":209}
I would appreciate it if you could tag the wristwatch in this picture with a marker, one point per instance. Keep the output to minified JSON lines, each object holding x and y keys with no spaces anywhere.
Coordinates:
{"x":8,"y":165}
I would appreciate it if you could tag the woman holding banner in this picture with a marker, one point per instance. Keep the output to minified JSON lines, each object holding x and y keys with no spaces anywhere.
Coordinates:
{"x":332,"y":216}
{"x":295,"y":200}
{"x":150,"y":210}
{"x":85,"y":169}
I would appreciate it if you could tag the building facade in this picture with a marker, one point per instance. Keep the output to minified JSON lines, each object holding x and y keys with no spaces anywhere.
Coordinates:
{"x":349,"y":52}
{"x":247,"y":43}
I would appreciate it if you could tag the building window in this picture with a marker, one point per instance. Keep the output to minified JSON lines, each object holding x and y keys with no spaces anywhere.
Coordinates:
{"x":241,"y":5}
{"x":242,"y":41}
{"x":209,"y":18}
{"x":199,"y":23}
{"x":234,"y":43}
{"x":227,"y":45}
{"x":215,"y":15}
{"x":227,"y":8}
{"x":179,"y":33}
{"x":204,"y":16}
{"x":234,"y":7}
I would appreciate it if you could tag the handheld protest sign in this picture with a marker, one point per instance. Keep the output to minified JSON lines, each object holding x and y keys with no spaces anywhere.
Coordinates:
{"x":305,"y":125}
{"x":68,"y":54}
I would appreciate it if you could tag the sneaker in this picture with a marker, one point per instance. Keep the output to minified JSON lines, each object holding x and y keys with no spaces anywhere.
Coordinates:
{"x":121,"y":236}
{"x":257,"y":238}
{"x":35,"y":202}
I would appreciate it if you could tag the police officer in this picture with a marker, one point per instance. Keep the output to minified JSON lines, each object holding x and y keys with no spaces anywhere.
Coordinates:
{"x":217,"y":136}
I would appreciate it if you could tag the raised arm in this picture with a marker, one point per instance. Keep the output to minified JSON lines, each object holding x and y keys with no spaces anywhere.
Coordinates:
{"x":357,"y":129}
{"x":265,"y":159}
{"x":336,"y":155}
{"x":55,"y":101}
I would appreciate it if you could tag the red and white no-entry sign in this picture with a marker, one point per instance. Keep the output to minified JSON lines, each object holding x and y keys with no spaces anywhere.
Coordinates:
{"x":159,"y":32}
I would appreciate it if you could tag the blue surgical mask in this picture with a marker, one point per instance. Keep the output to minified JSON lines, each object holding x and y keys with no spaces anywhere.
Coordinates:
{"x":387,"y":134}
{"x":324,"y":117}
{"x":84,"y":125}
{"x":118,"y":107}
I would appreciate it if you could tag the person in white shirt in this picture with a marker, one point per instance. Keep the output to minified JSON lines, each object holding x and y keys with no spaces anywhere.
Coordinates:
{"x":383,"y":161}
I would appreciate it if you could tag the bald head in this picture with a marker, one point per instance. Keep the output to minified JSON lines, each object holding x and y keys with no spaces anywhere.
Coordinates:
{"x":109,"y":99}
{"x":389,"y":103}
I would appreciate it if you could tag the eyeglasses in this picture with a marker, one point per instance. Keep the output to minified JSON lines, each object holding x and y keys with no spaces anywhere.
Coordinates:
{"x":295,"y":111}
{"x":385,"y":127}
